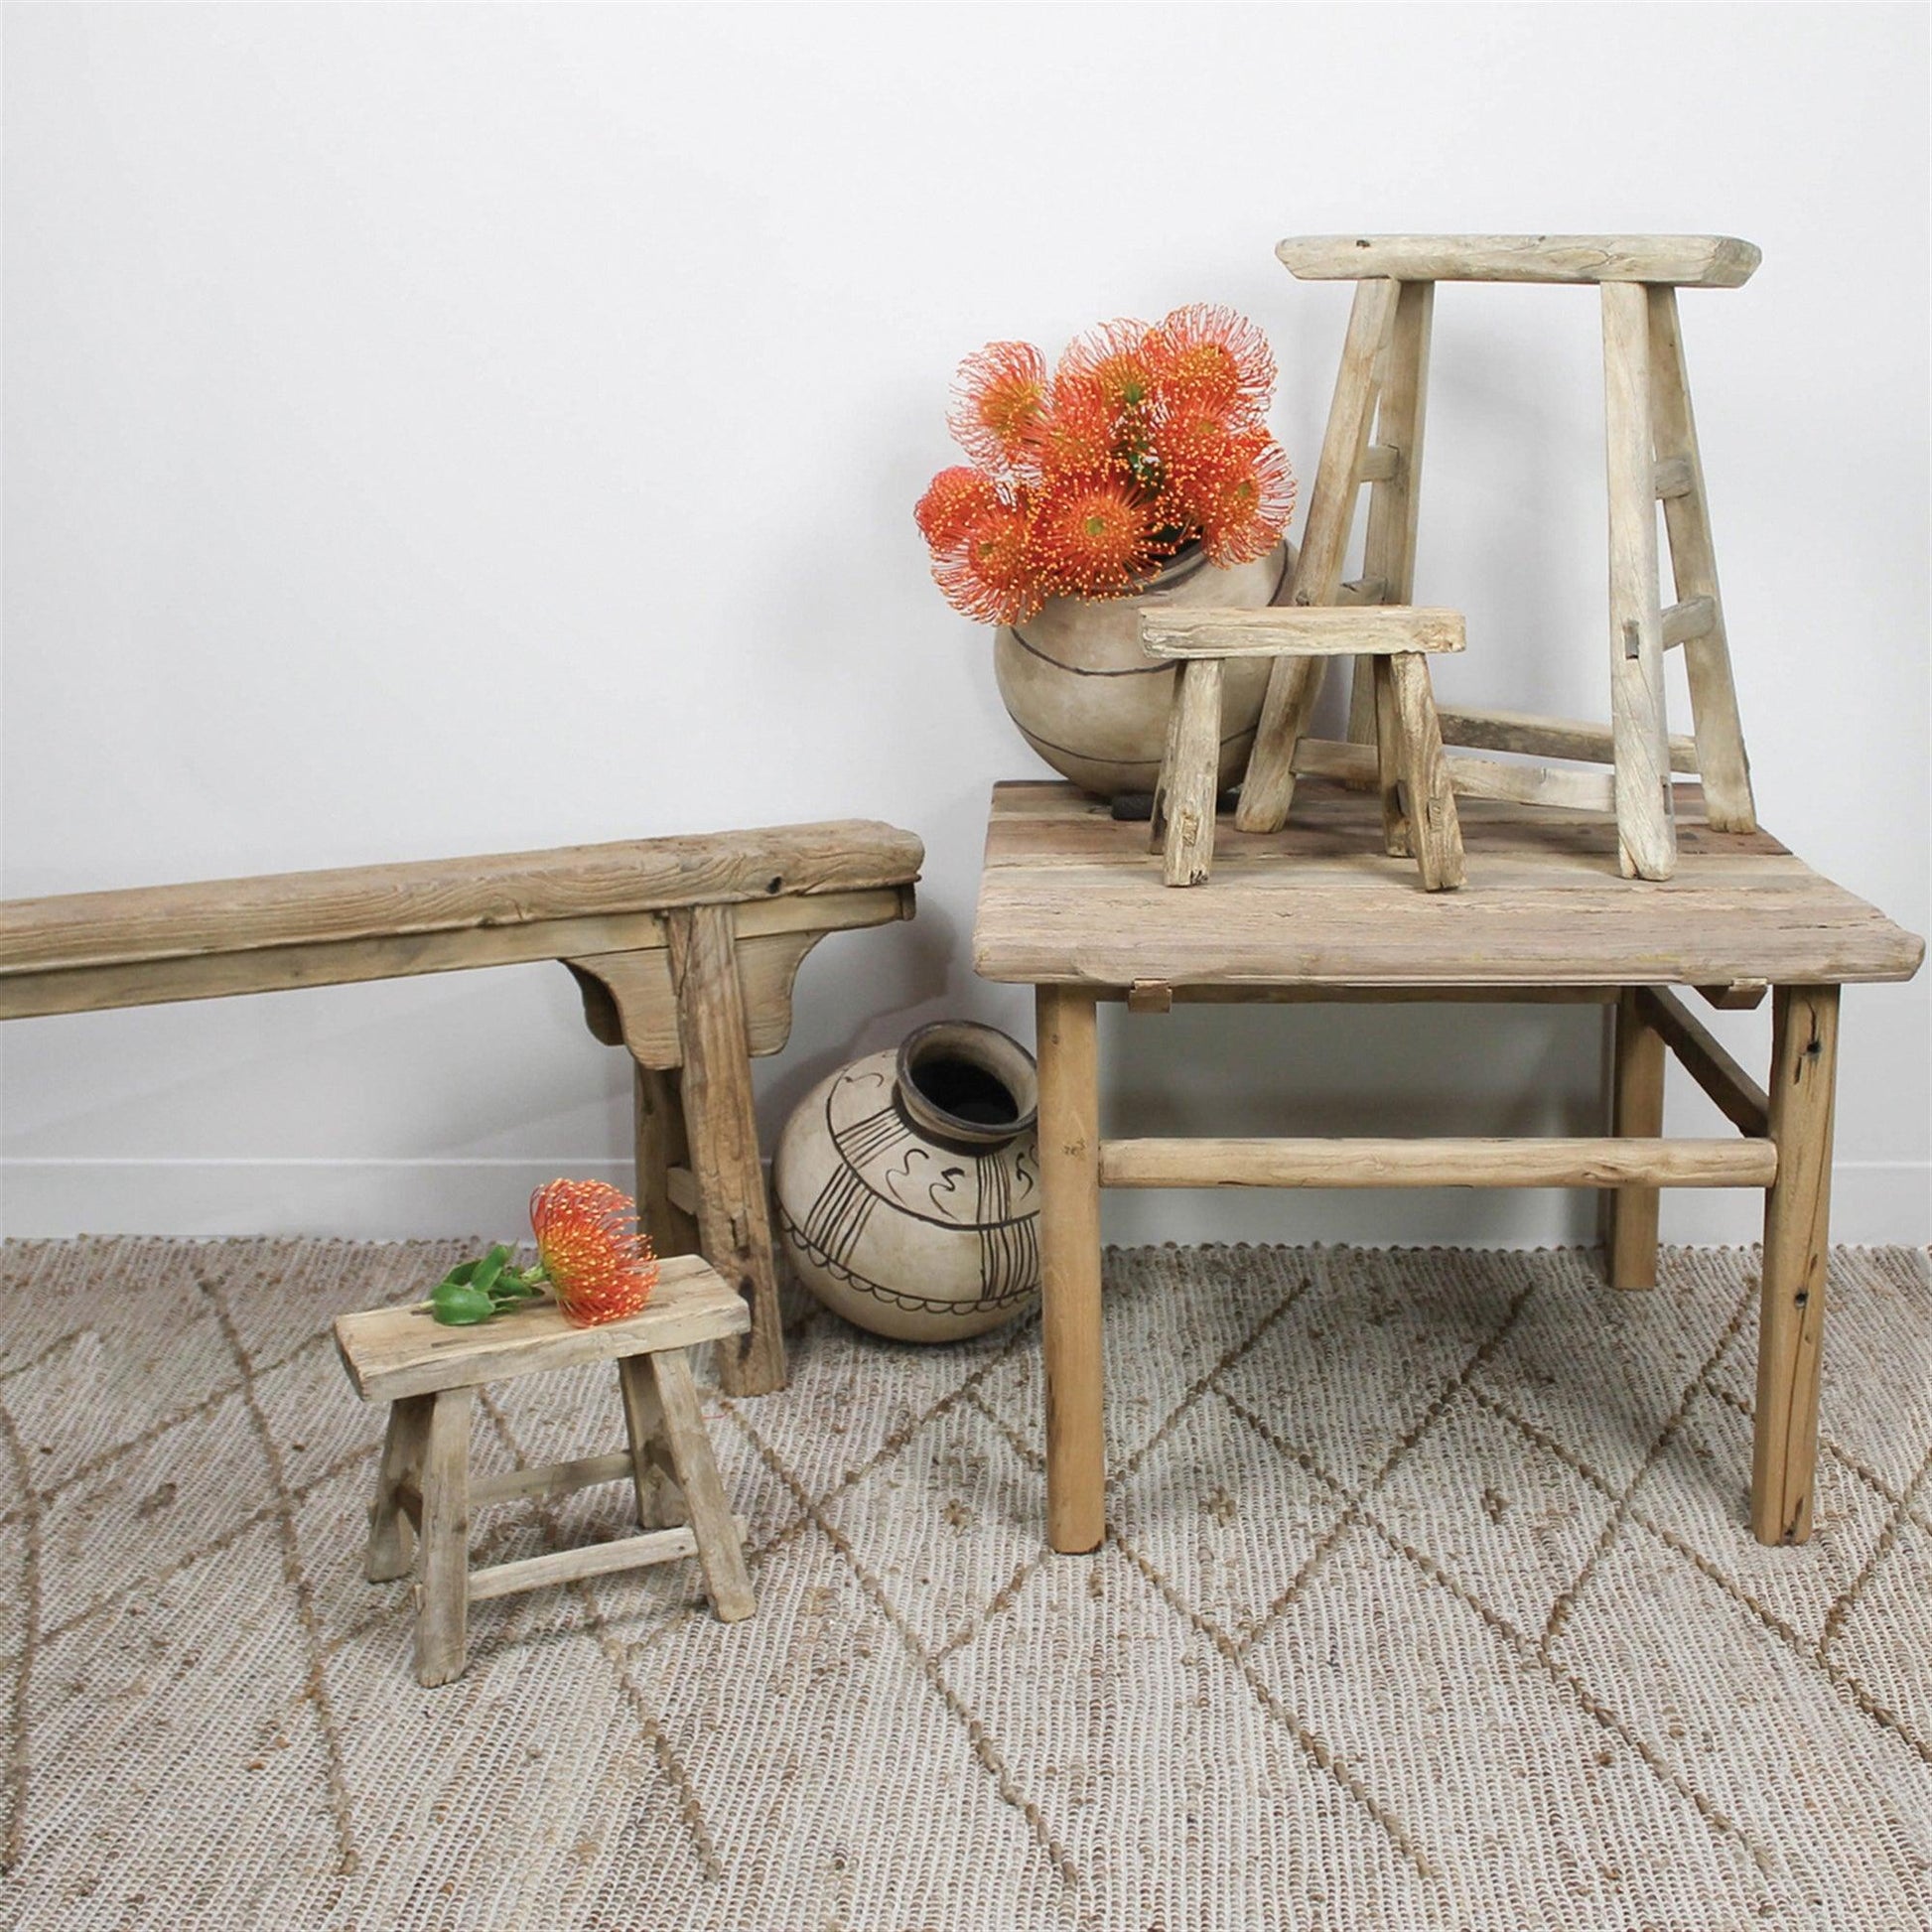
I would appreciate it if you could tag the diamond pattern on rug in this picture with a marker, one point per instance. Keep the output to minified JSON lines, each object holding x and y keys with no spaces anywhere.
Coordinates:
{"x":1428,"y":1601}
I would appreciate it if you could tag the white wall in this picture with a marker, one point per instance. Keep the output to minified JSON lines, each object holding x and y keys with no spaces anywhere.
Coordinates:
{"x":453,"y":429}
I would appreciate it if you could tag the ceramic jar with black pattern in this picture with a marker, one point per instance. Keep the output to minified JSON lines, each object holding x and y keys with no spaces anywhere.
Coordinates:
{"x":907,"y":1185}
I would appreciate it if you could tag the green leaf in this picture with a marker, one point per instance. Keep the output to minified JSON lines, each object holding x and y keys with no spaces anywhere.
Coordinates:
{"x":458,"y":1305}
{"x":488,"y":1267}
{"x":462,"y":1271}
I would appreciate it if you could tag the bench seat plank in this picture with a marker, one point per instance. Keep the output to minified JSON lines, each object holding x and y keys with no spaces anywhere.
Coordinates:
{"x":1685,"y":261}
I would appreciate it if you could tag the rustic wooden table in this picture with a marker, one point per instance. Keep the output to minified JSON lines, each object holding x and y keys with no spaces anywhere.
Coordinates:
{"x":1073,"y":905}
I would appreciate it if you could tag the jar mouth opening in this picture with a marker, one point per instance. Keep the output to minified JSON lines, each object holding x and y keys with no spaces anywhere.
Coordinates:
{"x":968,"y":1083}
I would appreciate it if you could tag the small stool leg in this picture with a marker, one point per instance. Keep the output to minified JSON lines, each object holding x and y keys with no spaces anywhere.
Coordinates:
{"x":1191,"y":785}
{"x":643,"y":1421}
{"x":1388,"y":756}
{"x":720,"y":1553}
{"x":1797,"y":1219}
{"x":1636,"y":1110}
{"x":443,"y":1567}
{"x":391,"y":1552}
{"x":1433,"y":827}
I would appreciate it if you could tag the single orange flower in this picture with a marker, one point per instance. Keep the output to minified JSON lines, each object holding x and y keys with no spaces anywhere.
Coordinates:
{"x":955,"y":500}
{"x":999,"y":399}
{"x":1094,"y":539}
{"x":988,"y":574}
{"x":1114,"y":366}
{"x":1197,"y":457}
{"x":1253,"y":507}
{"x":1210,"y":360}
{"x":592,"y":1250}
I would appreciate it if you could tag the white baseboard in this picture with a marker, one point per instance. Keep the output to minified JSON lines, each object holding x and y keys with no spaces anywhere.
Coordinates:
{"x":1873,"y":1201}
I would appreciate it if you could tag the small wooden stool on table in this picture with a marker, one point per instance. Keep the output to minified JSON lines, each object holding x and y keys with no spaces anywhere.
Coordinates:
{"x":429,"y":1374}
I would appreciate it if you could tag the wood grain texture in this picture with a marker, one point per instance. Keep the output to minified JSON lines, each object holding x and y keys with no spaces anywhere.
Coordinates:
{"x":1293,"y":630}
{"x":592,"y":1560}
{"x":1637,"y":1109}
{"x":1187,"y":784}
{"x":1544,"y":738}
{"x":1447,"y":1162}
{"x":1524,"y":784}
{"x":658,"y":1116}
{"x":1702,"y":1056}
{"x":496,"y":890}
{"x":1066,"y":895}
{"x":1434,"y":830}
{"x":1648,"y":836}
{"x":1687,"y":261}
{"x":394,"y":1352}
{"x":1797,"y":1233}
{"x":442,"y":1562}
{"x":391,"y":1549}
{"x":1394,"y":501}
{"x":721,"y":1122}
{"x":1722,"y":758}
{"x":1269,"y":787}
{"x":1070,"y":1240}
{"x":721,"y":1554}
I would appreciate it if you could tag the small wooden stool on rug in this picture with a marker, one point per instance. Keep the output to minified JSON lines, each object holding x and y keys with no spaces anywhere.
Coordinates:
{"x":429,"y":1374}
{"x":1407,"y":763}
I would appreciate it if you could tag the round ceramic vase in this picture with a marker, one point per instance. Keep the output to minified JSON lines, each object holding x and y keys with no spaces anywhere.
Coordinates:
{"x":1091,"y":702}
{"x":907,"y":1185}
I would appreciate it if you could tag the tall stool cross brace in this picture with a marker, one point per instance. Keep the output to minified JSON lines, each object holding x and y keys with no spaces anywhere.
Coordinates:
{"x":1652,"y":457}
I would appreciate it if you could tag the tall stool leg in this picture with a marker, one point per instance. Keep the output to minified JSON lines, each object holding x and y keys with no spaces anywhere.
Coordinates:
{"x":1645,"y":829}
{"x":390,"y":1554}
{"x":662,"y":1143}
{"x":720,"y":1554}
{"x":1069,"y":1231}
{"x":1389,"y":550}
{"x":1269,"y":787}
{"x":1435,"y":829}
{"x":733,"y":1224}
{"x":643,"y":1426}
{"x":1723,"y":768}
{"x":1797,"y":1227}
{"x":1636,"y":1110}
{"x":443,"y":1567}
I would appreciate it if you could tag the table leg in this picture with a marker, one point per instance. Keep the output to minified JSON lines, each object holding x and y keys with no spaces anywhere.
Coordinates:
{"x":1636,"y":1110}
{"x":1797,"y":1217}
{"x":1070,"y":1225}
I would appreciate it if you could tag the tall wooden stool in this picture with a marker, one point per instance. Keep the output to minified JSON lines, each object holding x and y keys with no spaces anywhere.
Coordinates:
{"x":1409,"y":769}
{"x":429,"y":1375}
{"x":1653,"y":457}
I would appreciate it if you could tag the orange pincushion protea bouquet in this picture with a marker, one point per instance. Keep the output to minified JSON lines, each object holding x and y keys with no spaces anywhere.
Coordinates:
{"x":1145,"y":440}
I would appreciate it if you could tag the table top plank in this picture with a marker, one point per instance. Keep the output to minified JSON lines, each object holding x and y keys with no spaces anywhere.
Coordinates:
{"x":1070,"y":896}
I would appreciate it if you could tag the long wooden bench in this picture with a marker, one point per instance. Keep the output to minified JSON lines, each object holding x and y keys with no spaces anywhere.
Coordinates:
{"x":684,"y":950}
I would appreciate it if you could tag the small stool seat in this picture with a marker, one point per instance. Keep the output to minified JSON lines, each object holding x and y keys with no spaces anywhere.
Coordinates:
{"x":429,"y":1374}
{"x":1408,"y":764}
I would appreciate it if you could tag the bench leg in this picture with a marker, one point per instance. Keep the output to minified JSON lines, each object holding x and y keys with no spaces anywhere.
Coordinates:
{"x":1388,"y":755}
{"x":443,"y":1567}
{"x":391,"y":1551}
{"x":1636,"y":1112}
{"x":662,"y":1144}
{"x":1797,"y":1231}
{"x":1069,"y":1238}
{"x":734,"y":1223}
{"x":720,"y":1553}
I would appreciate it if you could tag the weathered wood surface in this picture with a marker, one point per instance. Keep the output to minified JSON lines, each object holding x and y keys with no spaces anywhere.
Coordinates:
{"x":491,"y":892}
{"x":1704,"y":1058}
{"x":1377,"y":1163}
{"x":1339,"y":632}
{"x":1068,"y":896}
{"x":406,"y":1351}
{"x":1637,"y":1109}
{"x":1797,"y":1235}
{"x":1070,"y":1245}
{"x":1546,"y":738}
{"x":442,"y":1562}
{"x":1688,"y":261}
{"x":1435,"y":832}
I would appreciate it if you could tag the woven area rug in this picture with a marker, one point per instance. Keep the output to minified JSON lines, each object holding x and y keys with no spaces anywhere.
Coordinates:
{"x":1428,"y":1602}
